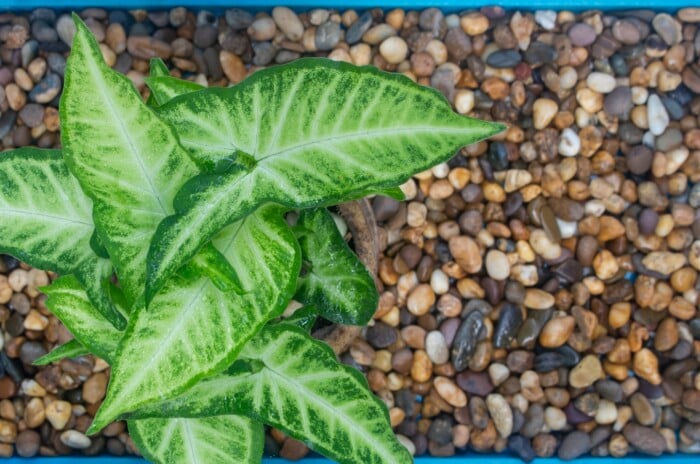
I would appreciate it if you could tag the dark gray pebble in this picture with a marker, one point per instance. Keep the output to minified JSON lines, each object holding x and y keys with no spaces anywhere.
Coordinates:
{"x":573,"y":445}
{"x":358,"y":28}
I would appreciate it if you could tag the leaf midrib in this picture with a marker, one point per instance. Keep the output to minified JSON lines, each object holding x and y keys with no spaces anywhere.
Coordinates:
{"x":126,"y":136}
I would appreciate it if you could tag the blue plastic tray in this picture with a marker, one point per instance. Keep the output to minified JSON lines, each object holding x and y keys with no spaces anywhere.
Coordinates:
{"x":446,"y":5}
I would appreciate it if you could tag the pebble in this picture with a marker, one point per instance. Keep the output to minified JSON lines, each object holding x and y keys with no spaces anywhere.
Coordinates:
{"x":497,"y":265}
{"x":646,"y":366}
{"x":466,"y":338}
{"x":538,"y":299}
{"x":601,"y":82}
{"x":394,"y":50}
{"x":619,"y":101}
{"x":668,"y":28}
{"x":436,"y":347}
{"x":358,"y":28}
{"x":447,"y":389}
{"x":664,"y":262}
{"x":574,"y":445}
{"x":146,"y":48}
{"x":569,"y":143}
{"x":644,"y":439}
{"x":504,"y":59}
{"x":65,"y":29}
{"x":656,"y":115}
{"x":547,"y":19}
{"x":501,"y":414}
{"x":544,"y":110}
{"x":76,"y":440}
{"x":288,"y":22}
{"x":557,"y":331}
{"x":27,"y":443}
{"x":327,"y":35}
{"x":581,"y":34}
{"x":586,"y":372}
{"x":58,"y":413}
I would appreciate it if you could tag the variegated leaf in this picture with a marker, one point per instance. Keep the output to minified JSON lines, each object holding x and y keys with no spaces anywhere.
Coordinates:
{"x":69,"y":302}
{"x":126,"y":158}
{"x":192,"y":329}
{"x":165,"y":88}
{"x":208,"y":440}
{"x":47,"y":221}
{"x":287,"y":379}
{"x":333,"y":279}
{"x":309,"y":133}
{"x":70,"y":349}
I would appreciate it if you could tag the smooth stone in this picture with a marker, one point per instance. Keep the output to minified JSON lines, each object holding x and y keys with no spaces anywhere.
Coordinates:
{"x":509,"y":321}
{"x":43,"y":32}
{"x":609,"y":390}
{"x":521,"y":446}
{"x":327,"y":35}
{"x":238,"y":18}
{"x":381,"y":335}
{"x":436,"y":347}
{"x":582,"y":35}
{"x":503,"y":59}
{"x":466,"y":340}
{"x":618,"y":102}
{"x":547,"y":19}
{"x":675,"y":110}
{"x":288,"y":22}
{"x":539,"y":53}
{"x":497,"y":265}
{"x":65,"y":29}
{"x":440,"y":430}
{"x":500,"y":412}
{"x":668,"y":28}
{"x":644,"y":410}
{"x":644,"y":439}
{"x":573,"y":445}
{"x":358,"y":28}
{"x":656,"y":115}
{"x":263,"y":53}
{"x":647,"y":221}
{"x":475,"y":383}
{"x":586,"y":372}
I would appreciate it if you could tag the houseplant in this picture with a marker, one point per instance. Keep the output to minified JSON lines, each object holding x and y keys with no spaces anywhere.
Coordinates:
{"x":188,"y":204}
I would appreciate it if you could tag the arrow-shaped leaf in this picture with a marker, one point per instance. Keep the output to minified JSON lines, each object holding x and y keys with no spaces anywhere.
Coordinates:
{"x":47,"y":221}
{"x":209,"y":440}
{"x":333,"y":278}
{"x":192,"y":329}
{"x":290,"y":381}
{"x":126,"y":159}
{"x":313,"y":132}
{"x":70,"y":349}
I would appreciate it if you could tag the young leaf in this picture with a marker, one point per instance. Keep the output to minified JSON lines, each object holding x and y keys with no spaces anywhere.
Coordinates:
{"x":300,"y":388}
{"x":126,"y":159}
{"x":47,"y":221}
{"x":191,"y":329}
{"x":209,"y":440}
{"x":283,"y":126}
{"x":69,"y":302}
{"x":70,"y":349}
{"x":336,"y":282}
{"x":165,"y":88}
{"x":304,"y":318}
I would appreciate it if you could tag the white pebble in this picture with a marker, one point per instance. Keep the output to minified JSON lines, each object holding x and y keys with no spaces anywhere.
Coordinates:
{"x":600,"y":82}
{"x":439,"y":282}
{"x":394,"y":50}
{"x":440,"y":171}
{"x":639,"y":95}
{"x":657,"y":115}
{"x":567,"y":229}
{"x":607,"y":412}
{"x":436,"y":347}
{"x":74,"y":439}
{"x":452,"y":21}
{"x":568,"y":77}
{"x":464,"y":101}
{"x":594,"y":208}
{"x":497,"y":265}
{"x":405,"y":441}
{"x":547,"y":19}
{"x":569,"y":143}
{"x":648,"y":139}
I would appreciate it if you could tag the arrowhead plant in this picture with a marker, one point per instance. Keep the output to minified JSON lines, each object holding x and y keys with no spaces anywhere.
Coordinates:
{"x":207,"y":206}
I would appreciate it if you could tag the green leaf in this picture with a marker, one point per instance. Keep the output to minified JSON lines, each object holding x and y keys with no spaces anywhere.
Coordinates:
{"x":302,"y":390}
{"x":192,"y":329}
{"x":304,"y":318}
{"x":47,"y":221}
{"x":69,"y":302}
{"x":335,"y":281}
{"x":165,"y":88}
{"x":126,"y":159}
{"x":313,"y":132}
{"x":209,"y":440}
{"x":70,"y":349}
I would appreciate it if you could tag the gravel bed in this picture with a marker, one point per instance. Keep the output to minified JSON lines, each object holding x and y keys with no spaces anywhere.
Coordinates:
{"x":540,"y":290}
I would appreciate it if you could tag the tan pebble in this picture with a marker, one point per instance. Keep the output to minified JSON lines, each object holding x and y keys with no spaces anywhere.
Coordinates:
{"x":610,"y":228}
{"x":18,"y":279}
{"x":525,"y":274}
{"x":538,"y":299}
{"x":590,"y":100}
{"x":554,"y":418}
{"x":74,"y":439}
{"x":664,"y":262}
{"x":543,"y":246}
{"x":233,"y":66}
{"x":619,"y":314}
{"x":694,"y":255}
{"x":34,"y":414}
{"x":395,"y":18}
{"x":467,"y":253}
{"x":288,"y":22}
{"x":667,"y":335}
{"x":94,"y":388}
{"x":378,"y":33}
{"x":464,"y":101}
{"x":16,"y":98}
{"x":497,"y":265}
{"x":416,"y":214}
{"x":543,"y":111}
{"x":35,"y":321}
{"x":31,"y":387}
{"x":493,"y":192}
{"x":586,"y":372}
{"x":606,"y":413}
{"x":516,"y":179}
{"x":605,"y":265}
{"x":450,"y":392}
{"x":58,"y":413}
{"x":684,"y":279}
{"x":646,"y":366}
{"x":530,"y":386}
{"x":420,"y":300}
{"x":438,"y":51}
{"x":557,"y":331}
{"x":394,"y":49}
{"x":474,"y":23}
{"x":262,"y":29}
{"x":500,"y":412}
{"x":422,"y":367}
{"x":8,"y":431}
{"x":683,"y":309}
{"x":361,"y":54}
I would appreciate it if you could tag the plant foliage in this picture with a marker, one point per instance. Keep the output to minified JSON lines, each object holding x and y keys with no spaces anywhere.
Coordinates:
{"x":185,"y":200}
